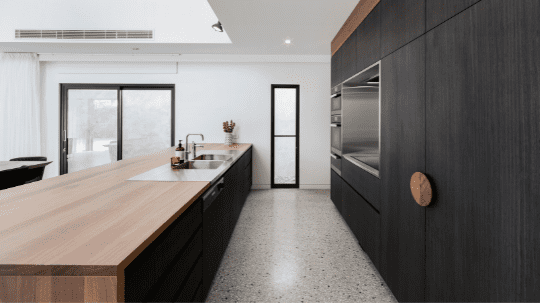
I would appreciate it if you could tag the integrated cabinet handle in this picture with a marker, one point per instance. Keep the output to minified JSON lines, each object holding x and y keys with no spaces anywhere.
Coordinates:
{"x":335,"y":125}
{"x":334,"y":156}
{"x":421,"y":189}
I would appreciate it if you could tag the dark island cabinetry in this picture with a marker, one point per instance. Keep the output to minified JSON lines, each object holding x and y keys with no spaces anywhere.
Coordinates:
{"x":220,"y":218}
{"x":180,"y":265}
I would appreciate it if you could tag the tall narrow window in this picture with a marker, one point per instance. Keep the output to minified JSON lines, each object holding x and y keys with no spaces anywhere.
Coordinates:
{"x":285,"y":136}
{"x":103,"y":123}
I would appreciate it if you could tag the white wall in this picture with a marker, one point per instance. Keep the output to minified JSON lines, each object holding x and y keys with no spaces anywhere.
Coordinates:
{"x":208,"y":94}
{"x":173,"y":21}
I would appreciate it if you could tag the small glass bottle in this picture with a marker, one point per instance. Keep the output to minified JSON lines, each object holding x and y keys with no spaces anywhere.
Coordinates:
{"x":179,"y":152}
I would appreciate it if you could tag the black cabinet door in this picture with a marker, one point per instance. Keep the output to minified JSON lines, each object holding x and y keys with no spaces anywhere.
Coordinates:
{"x":335,"y":189}
{"x":483,"y":154}
{"x":334,"y":71}
{"x":438,"y":11}
{"x":368,"y":36}
{"x":213,"y":243}
{"x":402,"y":154}
{"x":348,"y":64}
{"x":401,"y":22}
{"x":363,"y":220}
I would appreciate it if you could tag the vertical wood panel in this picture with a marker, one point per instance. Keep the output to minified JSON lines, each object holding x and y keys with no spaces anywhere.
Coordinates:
{"x":368,"y":49}
{"x":483,"y":154}
{"x":401,"y":22}
{"x":402,"y":154}
{"x":438,"y":11}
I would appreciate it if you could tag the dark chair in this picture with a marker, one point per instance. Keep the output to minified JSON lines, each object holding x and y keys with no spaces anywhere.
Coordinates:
{"x":33,"y":174}
{"x":13,"y":177}
{"x":29,"y":159}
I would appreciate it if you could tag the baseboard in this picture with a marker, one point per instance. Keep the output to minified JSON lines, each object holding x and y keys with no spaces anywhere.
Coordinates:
{"x":260,"y":186}
{"x":314,"y":186}
{"x":302,"y":186}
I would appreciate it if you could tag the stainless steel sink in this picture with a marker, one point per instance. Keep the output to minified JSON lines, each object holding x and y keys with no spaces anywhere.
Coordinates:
{"x":213,"y":157}
{"x":201,"y":164}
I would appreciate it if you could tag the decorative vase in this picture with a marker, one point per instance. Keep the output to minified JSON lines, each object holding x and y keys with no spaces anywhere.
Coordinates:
{"x":228,"y":139}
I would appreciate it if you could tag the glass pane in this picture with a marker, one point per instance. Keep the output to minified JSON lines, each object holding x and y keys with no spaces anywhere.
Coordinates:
{"x":285,"y":160}
{"x":285,"y":111}
{"x":146,"y":122}
{"x":92,"y":128}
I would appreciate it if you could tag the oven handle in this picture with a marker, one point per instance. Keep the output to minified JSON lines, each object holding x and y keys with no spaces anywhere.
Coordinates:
{"x":335,"y":125}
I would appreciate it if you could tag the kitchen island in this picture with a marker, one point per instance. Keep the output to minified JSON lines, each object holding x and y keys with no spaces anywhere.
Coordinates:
{"x":71,"y":238}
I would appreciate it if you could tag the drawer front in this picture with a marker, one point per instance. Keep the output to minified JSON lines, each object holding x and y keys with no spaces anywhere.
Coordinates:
{"x":363,"y":182}
{"x":335,"y":189}
{"x":147,"y":268}
{"x":335,"y":163}
{"x":171,"y":283}
{"x":190,"y":287}
{"x":364,"y":222}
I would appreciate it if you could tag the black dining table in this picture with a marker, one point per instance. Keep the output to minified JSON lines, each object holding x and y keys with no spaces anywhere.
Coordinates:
{"x":6,"y":165}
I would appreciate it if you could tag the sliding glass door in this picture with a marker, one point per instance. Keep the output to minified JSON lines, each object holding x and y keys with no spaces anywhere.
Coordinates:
{"x":285,"y":136}
{"x":101,"y":124}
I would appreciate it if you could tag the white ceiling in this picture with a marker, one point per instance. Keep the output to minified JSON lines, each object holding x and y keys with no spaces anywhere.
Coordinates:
{"x":257,"y":27}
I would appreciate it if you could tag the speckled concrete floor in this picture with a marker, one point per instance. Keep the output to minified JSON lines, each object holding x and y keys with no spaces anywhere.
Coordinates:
{"x":292,"y":245}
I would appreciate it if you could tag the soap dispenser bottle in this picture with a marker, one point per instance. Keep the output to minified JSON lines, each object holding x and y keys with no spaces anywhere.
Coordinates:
{"x":179,"y":152}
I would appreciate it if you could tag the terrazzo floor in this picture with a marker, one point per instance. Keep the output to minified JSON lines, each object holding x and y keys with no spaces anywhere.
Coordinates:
{"x":292,"y":245}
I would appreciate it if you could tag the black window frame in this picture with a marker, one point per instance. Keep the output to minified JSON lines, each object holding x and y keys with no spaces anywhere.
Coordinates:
{"x":64,"y":87}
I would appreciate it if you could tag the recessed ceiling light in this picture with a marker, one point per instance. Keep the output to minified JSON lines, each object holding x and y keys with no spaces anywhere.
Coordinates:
{"x":217,"y":27}
{"x":287,"y":41}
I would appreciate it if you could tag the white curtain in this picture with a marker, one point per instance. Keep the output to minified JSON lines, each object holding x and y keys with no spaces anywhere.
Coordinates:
{"x":19,"y":106}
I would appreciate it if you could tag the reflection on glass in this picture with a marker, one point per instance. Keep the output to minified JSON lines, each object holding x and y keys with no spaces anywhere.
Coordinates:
{"x":285,"y":111}
{"x":285,"y":160}
{"x":92,"y":128}
{"x":146,"y":122}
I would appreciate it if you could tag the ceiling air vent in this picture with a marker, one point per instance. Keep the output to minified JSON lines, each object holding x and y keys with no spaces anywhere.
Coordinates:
{"x":83,"y":34}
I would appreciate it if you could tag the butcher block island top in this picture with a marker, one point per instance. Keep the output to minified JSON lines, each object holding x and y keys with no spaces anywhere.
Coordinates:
{"x":69,"y":238}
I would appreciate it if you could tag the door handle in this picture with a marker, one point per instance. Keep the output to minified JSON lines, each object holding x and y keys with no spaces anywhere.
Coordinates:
{"x":65,"y":135}
{"x":421,"y":189}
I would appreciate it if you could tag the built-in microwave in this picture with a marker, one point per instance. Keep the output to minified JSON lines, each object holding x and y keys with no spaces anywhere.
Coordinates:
{"x":335,"y":135}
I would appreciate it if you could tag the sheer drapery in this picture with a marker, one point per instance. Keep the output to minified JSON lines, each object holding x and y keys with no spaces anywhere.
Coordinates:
{"x":19,"y":106}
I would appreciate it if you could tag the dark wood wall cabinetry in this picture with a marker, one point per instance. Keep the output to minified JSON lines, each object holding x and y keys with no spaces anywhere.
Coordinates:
{"x":402,"y":154}
{"x":401,"y":22}
{"x":459,"y":103}
{"x":483,"y":235}
{"x":438,"y":11}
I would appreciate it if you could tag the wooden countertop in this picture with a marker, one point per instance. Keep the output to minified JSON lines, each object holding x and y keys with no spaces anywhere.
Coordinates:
{"x":92,"y":222}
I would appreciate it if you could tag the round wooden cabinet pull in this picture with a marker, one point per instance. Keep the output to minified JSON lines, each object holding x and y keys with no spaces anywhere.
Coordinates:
{"x":421,"y":189}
